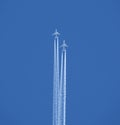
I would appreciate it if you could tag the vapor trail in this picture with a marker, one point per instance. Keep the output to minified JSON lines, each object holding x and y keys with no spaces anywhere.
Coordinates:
{"x":64,"y":111}
{"x":54,"y":88}
{"x":57,"y":78}
{"x":61,"y":92}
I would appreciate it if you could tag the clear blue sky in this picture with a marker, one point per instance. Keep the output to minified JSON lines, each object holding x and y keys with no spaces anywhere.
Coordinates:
{"x":91,"y":28}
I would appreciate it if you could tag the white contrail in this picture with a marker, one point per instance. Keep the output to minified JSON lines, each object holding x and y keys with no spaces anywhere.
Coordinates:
{"x":64,"y":102}
{"x":54,"y":87}
{"x":61,"y":92}
{"x":57,"y":79}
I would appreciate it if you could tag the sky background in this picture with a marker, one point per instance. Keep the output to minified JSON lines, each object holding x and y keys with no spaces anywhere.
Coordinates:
{"x":91,"y":28}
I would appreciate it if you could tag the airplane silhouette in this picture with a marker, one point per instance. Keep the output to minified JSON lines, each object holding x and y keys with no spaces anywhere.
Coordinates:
{"x":64,"y":45}
{"x":56,"y":33}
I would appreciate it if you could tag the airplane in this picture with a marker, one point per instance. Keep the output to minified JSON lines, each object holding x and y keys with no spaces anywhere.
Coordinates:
{"x":56,"y":33}
{"x":64,"y":45}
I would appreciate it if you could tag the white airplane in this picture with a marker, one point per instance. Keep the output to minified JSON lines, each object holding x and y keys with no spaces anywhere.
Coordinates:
{"x":64,"y":45}
{"x":56,"y":33}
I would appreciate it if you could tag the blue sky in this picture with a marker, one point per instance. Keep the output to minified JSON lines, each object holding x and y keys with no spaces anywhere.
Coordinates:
{"x":92,"y":31}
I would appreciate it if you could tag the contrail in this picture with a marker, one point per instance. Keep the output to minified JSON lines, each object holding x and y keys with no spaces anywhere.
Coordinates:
{"x":64,"y":95}
{"x":56,"y":81}
{"x":61,"y":93}
{"x":54,"y":88}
